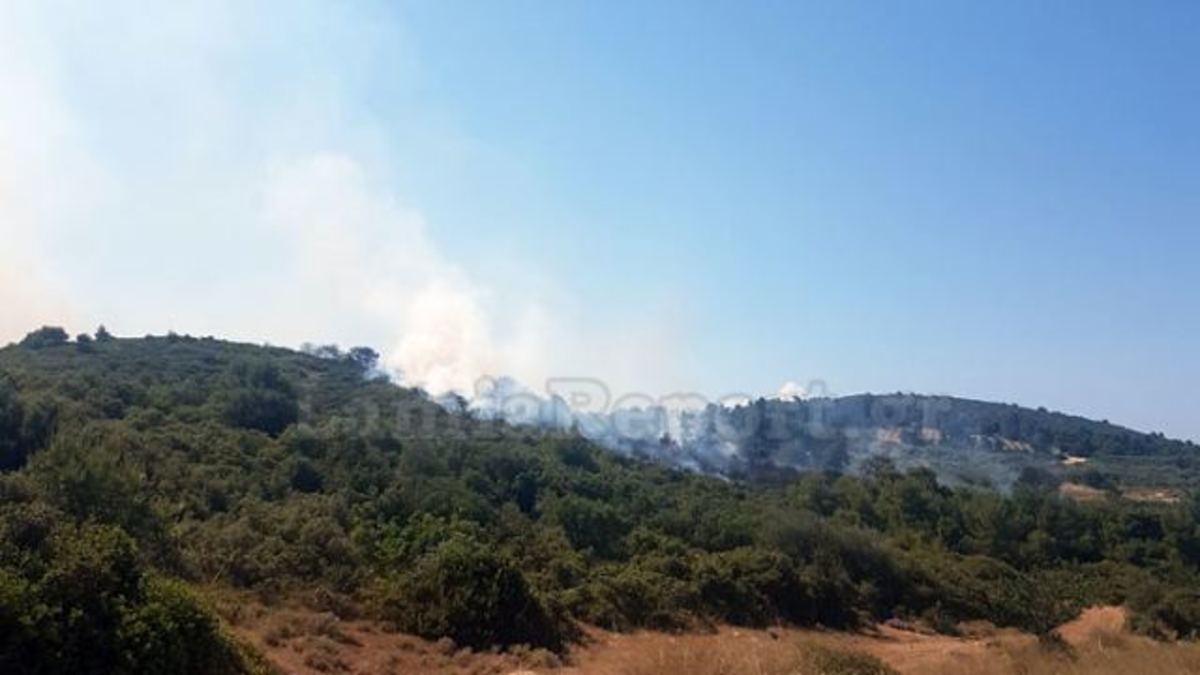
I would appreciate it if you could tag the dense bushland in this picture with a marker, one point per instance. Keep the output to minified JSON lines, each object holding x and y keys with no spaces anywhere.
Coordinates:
{"x":131,"y":466}
{"x":77,"y":599}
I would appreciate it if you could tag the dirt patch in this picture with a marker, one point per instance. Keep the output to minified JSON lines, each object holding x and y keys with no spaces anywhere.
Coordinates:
{"x":1082,"y":493}
{"x":1093,"y":626}
{"x":1152,"y":495}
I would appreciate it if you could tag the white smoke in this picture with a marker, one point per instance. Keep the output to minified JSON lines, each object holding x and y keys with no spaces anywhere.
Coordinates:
{"x":147,"y":187}
{"x":791,"y":390}
{"x":33,"y":160}
{"x":368,"y":254}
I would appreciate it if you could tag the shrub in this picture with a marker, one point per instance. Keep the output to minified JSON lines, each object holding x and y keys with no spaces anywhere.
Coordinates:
{"x":464,"y":591}
{"x":83,"y":343}
{"x":48,"y":336}
{"x":748,"y":586}
{"x":12,"y":416}
{"x":827,"y":661}
{"x":1165,"y":613}
{"x":975,"y":586}
{"x":171,"y":633}
{"x":259,"y":397}
{"x":305,"y":477}
{"x":268,"y":411}
{"x":622,"y":597}
{"x":589,"y":524}
{"x":95,"y":478}
{"x":77,"y":600}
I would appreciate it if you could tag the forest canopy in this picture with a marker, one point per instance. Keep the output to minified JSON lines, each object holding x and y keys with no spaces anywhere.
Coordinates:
{"x":135,"y":471}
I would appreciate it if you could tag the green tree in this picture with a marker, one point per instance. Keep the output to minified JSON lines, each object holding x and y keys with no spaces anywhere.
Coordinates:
{"x":12,"y":418}
{"x":464,"y":590}
{"x":259,"y":397}
{"x":42,"y":338}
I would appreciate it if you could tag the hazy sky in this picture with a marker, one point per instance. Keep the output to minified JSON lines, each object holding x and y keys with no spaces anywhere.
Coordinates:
{"x":998,"y":200}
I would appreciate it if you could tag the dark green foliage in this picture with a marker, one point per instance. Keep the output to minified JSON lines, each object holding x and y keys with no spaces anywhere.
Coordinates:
{"x":169,"y":632}
{"x":462,"y":589}
{"x":43,"y":338}
{"x":83,"y":342}
{"x":26,"y":424}
{"x":305,"y":477}
{"x":12,"y":417}
{"x":638,"y":594}
{"x":1166,"y":612}
{"x":365,"y":358}
{"x":77,"y":600}
{"x":988,"y":588}
{"x":590,"y":525}
{"x":751,"y":586}
{"x":99,"y":480}
{"x":134,"y":461}
{"x":260,"y":397}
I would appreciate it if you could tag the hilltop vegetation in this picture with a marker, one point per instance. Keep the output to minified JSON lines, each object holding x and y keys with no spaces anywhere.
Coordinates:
{"x":136,"y":470}
{"x":965,"y":442}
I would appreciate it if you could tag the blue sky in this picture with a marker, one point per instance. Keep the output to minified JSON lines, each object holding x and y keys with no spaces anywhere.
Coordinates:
{"x":997,"y":200}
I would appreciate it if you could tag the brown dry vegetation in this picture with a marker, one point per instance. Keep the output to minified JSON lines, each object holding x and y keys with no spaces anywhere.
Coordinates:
{"x":1153,"y":495}
{"x":1082,"y":493}
{"x":305,"y":642}
{"x":1095,"y":644}
{"x":1141,"y":495}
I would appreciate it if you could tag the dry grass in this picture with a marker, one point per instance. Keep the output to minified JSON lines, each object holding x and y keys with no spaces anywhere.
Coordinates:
{"x":303,"y":640}
{"x":723,"y":658}
{"x":710,"y":659}
{"x":1120,"y":658}
{"x":1082,"y":493}
{"x":299,"y":640}
{"x":1094,"y":644}
{"x":1106,"y":654}
{"x":1153,"y":495}
{"x":822,"y":660}
{"x":727,"y":652}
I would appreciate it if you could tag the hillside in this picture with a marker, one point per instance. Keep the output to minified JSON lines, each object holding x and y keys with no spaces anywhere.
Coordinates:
{"x":143,"y":475}
{"x":963,"y":441}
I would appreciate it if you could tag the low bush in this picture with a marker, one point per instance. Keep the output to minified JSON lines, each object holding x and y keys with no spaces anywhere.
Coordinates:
{"x":76,"y":600}
{"x":461,"y":589}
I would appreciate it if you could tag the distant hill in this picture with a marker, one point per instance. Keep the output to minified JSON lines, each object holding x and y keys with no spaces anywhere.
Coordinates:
{"x":965,"y":442}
